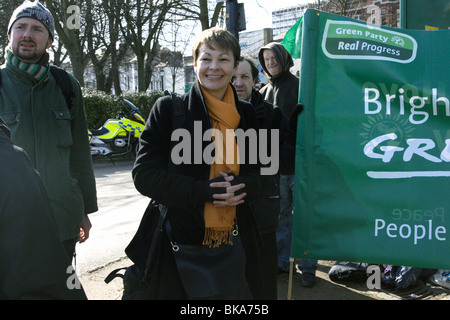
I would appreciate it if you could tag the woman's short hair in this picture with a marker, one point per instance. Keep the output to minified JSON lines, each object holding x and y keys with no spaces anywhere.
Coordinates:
{"x":218,"y":38}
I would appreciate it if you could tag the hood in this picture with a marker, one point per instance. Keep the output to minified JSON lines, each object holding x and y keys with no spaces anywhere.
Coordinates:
{"x":281,"y":54}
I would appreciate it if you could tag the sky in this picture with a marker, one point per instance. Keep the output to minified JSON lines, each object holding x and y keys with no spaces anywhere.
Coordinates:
{"x":258,"y":13}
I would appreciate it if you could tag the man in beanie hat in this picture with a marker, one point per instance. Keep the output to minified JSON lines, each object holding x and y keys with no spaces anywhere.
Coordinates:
{"x":282,"y":91}
{"x":51,"y":131}
{"x":34,"y":18}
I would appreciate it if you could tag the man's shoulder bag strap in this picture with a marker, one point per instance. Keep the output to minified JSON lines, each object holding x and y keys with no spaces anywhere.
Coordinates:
{"x":63,"y":80}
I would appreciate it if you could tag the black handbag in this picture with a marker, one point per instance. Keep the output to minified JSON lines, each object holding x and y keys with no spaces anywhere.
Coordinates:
{"x":137,"y":279}
{"x":211,"y":273}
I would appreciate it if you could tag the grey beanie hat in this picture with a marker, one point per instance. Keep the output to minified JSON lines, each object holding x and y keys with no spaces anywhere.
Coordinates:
{"x":36,"y":11}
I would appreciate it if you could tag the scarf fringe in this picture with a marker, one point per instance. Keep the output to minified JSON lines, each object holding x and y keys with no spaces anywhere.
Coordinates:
{"x":214,"y":238}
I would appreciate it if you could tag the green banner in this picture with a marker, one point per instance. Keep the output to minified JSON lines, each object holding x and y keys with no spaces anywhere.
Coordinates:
{"x":425,"y":15}
{"x":372,"y":180}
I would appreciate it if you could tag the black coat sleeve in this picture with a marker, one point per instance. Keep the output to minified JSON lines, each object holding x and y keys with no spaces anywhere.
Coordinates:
{"x":288,"y":144}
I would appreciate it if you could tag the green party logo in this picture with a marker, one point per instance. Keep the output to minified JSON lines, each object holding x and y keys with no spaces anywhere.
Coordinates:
{"x":351,"y":40}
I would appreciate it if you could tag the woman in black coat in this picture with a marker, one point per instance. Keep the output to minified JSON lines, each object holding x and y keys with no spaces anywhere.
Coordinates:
{"x":178,"y":173}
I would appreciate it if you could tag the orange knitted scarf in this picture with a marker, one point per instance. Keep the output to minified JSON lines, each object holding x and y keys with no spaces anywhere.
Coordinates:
{"x":223,"y":115}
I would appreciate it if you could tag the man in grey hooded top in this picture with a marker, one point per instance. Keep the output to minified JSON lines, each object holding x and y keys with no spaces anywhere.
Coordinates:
{"x":282,"y":89}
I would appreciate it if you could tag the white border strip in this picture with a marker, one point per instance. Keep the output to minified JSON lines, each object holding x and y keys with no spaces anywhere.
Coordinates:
{"x":406,"y":174}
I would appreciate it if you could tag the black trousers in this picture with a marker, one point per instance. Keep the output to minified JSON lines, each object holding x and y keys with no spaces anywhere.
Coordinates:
{"x":269,"y":265}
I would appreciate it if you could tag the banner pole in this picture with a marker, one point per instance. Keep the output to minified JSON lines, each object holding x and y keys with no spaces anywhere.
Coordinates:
{"x":291,"y":271}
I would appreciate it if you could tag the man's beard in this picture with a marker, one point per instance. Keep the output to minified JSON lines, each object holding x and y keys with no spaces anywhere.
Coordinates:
{"x":31,"y":55}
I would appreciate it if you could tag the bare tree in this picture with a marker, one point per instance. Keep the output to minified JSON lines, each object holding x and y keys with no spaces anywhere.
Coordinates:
{"x":73,"y":37}
{"x":58,"y":51}
{"x":201,"y":11}
{"x":143,"y":20}
{"x":340,"y":7}
{"x":106,"y":47}
{"x":179,"y":40}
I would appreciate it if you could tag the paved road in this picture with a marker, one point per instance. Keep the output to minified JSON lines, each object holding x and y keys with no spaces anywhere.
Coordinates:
{"x":120,"y":210}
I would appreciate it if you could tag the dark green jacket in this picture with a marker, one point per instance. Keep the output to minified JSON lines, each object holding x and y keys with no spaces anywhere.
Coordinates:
{"x":55,"y":140}
{"x":33,"y":262}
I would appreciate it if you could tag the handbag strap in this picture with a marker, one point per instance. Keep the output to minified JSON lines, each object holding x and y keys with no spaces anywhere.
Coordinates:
{"x":158,"y":230}
{"x":115,"y":273}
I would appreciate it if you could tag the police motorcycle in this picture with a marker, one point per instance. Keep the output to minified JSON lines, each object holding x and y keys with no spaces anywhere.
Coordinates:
{"x":118,"y":136}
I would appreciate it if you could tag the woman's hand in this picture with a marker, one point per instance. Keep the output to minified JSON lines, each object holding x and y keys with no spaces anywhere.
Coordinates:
{"x":231,"y":197}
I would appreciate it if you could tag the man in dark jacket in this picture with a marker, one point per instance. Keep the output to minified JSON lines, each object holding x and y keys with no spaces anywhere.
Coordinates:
{"x":268,"y":207}
{"x":33,"y":263}
{"x":282,"y":91}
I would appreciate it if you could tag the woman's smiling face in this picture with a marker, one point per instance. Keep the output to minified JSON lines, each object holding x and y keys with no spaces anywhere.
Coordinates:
{"x":214,"y":69}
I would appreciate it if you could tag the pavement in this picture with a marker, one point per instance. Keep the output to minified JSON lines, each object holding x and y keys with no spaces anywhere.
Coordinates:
{"x":324,"y":289}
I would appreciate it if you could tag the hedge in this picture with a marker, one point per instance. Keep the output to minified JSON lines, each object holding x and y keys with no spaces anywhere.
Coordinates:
{"x":101,"y":106}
